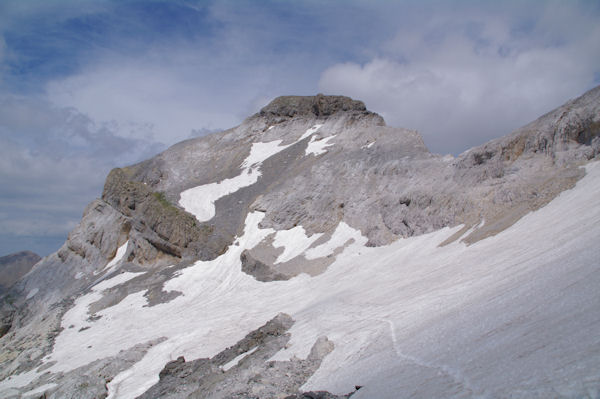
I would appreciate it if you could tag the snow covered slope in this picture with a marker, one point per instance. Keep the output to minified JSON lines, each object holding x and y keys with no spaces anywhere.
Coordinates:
{"x":310,"y":294}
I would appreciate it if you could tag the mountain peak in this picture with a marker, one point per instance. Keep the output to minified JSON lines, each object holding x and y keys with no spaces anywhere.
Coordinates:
{"x":319,"y":105}
{"x":354,"y":235}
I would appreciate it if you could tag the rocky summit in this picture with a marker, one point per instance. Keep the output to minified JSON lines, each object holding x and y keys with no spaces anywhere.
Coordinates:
{"x":315,"y":252}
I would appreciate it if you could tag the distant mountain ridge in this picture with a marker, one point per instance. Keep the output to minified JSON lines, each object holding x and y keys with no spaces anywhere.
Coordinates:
{"x":14,"y":266}
{"x":313,"y":248}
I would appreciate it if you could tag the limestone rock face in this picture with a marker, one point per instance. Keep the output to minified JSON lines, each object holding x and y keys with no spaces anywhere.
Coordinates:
{"x":156,"y":226}
{"x":325,"y":176}
{"x":566,"y":134}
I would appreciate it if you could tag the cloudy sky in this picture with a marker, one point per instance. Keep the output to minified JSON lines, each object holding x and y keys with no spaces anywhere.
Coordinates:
{"x":86,"y":86}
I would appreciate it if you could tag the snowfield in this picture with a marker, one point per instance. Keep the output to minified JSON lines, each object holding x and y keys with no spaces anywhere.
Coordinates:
{"x":517,"y":314}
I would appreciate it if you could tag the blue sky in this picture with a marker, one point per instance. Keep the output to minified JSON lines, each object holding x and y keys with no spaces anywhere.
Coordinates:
{"x":86,"y":85}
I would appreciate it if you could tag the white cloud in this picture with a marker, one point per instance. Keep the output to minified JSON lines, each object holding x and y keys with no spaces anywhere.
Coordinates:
{"x":212,"y":81}
{"x":134,"y":94}
{"x":174,"y":96}
{"x":53,"y":162}
{"x":463,"y":83}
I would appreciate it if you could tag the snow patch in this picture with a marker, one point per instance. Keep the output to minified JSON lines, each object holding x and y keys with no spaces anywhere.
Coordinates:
{"x":200,"y":200}
{"x":318,"y":147}
{"x":114,"y":263}
{"x":294,"y":241}
{"x":342,"y":235}
{"x":261,"y":152}
{"x":310,"y":131}
{"x":32,"y":293}
{"x":75,"y":323}
{"x":237,"y":359}
{"x":116,"y":280}
{"x":366,"y":146}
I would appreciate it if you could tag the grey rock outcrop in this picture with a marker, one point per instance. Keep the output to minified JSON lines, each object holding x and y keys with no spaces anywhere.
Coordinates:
{"x":252,"y":376}
{"x":319,"y":106}
{"x":156,"y":226}
{"x":260,"y":270}
{"x":318,"y":395}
